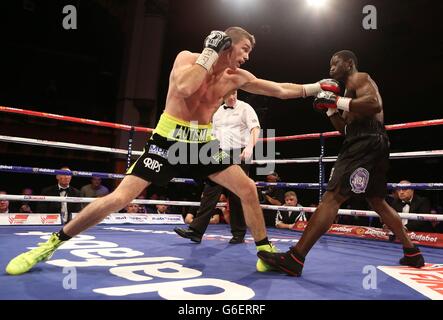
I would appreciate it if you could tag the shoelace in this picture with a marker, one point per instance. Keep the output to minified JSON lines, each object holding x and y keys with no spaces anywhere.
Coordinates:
{"x":45,"y":249}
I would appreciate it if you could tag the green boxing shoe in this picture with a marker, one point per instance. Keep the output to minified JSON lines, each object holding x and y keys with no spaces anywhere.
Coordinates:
{"x":25,"y":261}
{"x":261,"y":265}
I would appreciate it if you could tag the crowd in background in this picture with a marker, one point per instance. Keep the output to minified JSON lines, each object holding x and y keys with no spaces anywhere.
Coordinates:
{"x":402,"y":200}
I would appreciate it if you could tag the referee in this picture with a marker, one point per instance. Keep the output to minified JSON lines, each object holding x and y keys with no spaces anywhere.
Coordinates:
{"x":235,"y":124}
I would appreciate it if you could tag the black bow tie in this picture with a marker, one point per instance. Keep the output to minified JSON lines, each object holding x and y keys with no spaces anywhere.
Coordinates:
{"x":406,"y":202}
{"x":61,"y":189}
{"x":227,"y":107}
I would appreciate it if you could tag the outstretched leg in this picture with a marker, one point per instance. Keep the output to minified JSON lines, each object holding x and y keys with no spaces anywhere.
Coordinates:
{"x":235,"y":179}
{"x":320,"y":221}
{"x":412,"y":255}
{"x":391,"y":218}
{"x":292,"y":262}
{"x":129,"y":188}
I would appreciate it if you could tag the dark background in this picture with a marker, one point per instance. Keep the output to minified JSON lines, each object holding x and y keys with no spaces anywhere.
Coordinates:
{"x":77,"y":72}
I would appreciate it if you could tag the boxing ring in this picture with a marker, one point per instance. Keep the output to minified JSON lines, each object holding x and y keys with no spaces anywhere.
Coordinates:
{"x":145,"y":259}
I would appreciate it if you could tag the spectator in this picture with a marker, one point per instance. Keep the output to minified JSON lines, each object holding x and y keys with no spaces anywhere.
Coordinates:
{"x":437,"y":225}
{"x":160,"y":208}
{"x":61,"y":189}
{"x":143,"y":208}
{"x":4,"y":204}
{"x":132,"y":208}
{"x":27,"y":191}
{"x":409,"y":202}
{"x":273,"y":196}
{"x":286,"y":219}
{"x":94,"y":190}
{"x":150,"y":207}
{"x":26,"y":206}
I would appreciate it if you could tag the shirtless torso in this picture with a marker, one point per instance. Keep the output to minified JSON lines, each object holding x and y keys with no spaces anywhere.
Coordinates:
{"x":201,"y":104}
{"x":359,"y":85}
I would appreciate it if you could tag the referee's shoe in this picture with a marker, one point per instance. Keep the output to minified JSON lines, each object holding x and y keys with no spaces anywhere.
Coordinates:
{"x":189,"y":234}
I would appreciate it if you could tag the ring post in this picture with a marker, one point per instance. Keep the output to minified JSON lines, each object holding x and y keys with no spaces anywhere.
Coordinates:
{"x":321,"y":167}
{"x":129,"y":155}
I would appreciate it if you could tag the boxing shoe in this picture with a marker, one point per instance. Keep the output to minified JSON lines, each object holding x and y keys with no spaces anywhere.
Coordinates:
{"x":412,"y":258}
{"x":25,"y":261}
{"x":289,"y":262}
{"x":189,"y":234}
{"x":237,"y":240}
{"x":261,"y":265}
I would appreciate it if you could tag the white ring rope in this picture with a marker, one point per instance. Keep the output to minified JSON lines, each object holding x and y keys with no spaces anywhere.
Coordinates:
{"x":347,"y":212}
{"x":83,"y":147}
{"x":394,"y":155}
{"x":65,"y":145}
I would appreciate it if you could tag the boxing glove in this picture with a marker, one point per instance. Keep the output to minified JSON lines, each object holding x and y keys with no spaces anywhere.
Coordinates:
{"x":323,"y":85}
{"x":330,"y":85}
{"x":330,"y":102}
{"x":216,"y":42}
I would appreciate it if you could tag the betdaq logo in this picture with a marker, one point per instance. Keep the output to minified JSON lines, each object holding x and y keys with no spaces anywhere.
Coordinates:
{"x":164,"y":275}
{"x":50,"y":219}
{"x":18,"y":219}
{"x":152,"y":164}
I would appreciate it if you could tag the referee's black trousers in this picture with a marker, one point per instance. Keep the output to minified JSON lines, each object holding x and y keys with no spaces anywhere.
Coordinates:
{"x":209,"y":200}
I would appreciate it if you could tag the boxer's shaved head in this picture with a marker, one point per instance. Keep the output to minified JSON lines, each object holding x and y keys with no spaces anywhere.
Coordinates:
{"x":343,"y":63}
{"x":347,"y":55}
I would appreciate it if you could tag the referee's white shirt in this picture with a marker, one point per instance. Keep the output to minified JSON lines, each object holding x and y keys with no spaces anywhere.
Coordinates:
{"x":233,"y":126}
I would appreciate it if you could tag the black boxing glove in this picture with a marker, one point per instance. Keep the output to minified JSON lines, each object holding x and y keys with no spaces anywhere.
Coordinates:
{"x":323,"y":85}
{"x":330,"y":102}
{"x":216,"y":42}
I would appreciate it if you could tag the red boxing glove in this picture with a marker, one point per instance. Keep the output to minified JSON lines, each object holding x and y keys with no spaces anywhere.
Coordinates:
{"x":329,"y":100}
{"x":323,"y":85}
{"x":330,"y":85}
{"x":325,"y":100}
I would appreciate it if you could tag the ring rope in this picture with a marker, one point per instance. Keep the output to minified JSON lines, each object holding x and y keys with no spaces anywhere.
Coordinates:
{"x":73,"y":119}
{"x":85,"y":147}
{"x":83,"y":174}
{"x":348,"y":212}
{"x":280,"y":185}
{"x":330,"y":134}
{"x":65,"y":145}
{"x":416,"y":124}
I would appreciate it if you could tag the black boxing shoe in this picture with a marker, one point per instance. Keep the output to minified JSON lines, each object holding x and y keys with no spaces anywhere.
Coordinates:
{"x":289,"y":262}
{"x":189,"y":234}
{"x":412,"y":257}
{"x":237,"y":240}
